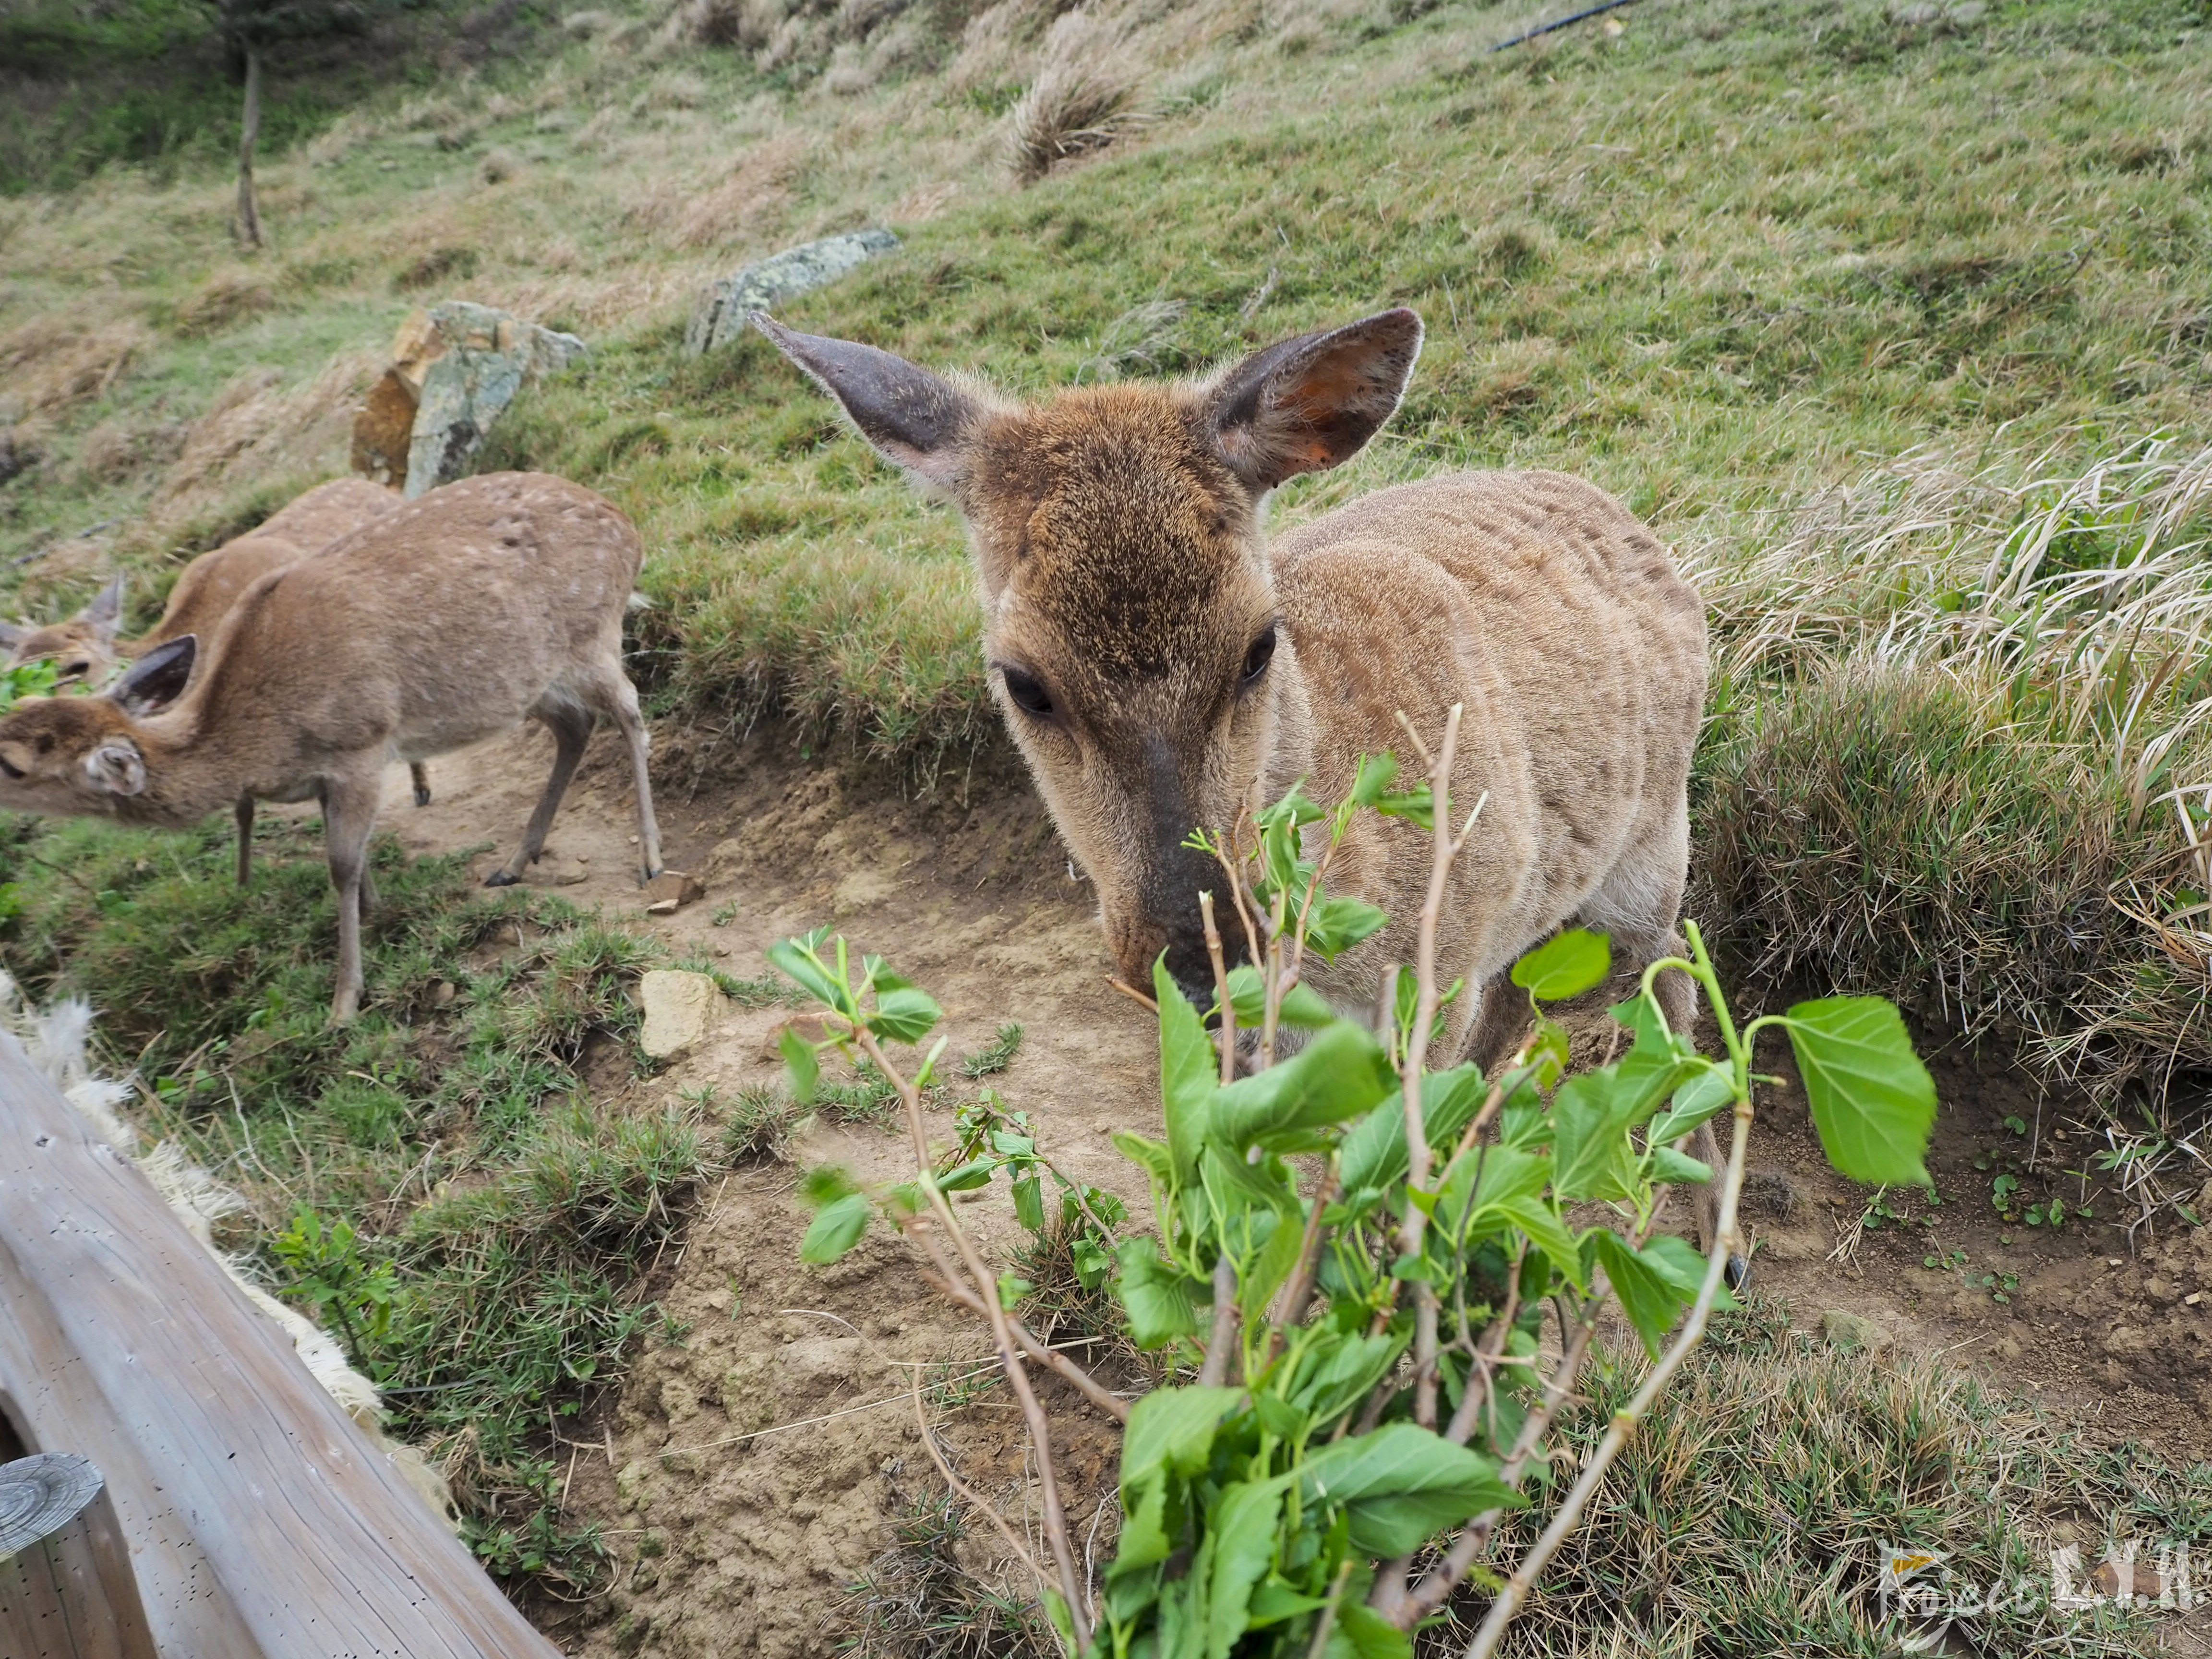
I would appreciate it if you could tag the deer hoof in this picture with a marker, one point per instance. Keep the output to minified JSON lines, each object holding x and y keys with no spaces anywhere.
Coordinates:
{"x":1738,"y":1272}
{"x":422,"y":796}
{"x":501,"y":878}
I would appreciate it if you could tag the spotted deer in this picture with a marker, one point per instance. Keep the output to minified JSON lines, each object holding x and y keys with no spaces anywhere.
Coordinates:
{"x":1164,"y":665}
{"x":85,"y":650}
{"x":445,"y":622}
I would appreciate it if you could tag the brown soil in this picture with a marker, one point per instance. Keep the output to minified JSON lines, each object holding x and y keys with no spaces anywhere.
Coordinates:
{"x":751,"y":1467}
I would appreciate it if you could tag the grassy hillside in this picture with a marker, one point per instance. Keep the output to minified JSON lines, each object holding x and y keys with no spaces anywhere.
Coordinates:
{"x":1861,"y":308}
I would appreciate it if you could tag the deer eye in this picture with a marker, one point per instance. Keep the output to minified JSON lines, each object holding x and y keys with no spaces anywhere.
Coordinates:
{"x":1261,"y":654}
{"x":76,"y":671}
{"x":1027,"y":691}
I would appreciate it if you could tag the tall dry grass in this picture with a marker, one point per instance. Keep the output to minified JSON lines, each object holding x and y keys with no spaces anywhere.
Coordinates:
{"x":1960,"y":753}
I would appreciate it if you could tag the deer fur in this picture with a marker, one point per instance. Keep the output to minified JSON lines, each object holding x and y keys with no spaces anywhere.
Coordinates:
{"x":447,"y":620}
{"x":1163,"y":667}
{"x":85,"y":651}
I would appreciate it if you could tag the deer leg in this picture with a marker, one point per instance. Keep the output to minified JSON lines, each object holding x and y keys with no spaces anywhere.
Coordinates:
{"x":623,"y":697}
{"x":244,"y":812}
{"x":349,"y":817}
{"x":421,"y":774}
{"x":571,"y":728}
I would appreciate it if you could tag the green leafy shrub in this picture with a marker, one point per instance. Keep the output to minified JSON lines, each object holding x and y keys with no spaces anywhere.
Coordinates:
{"x":1362,"y":1395}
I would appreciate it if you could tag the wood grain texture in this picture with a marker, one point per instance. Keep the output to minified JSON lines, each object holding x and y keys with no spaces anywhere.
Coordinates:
{"x":260,"y":1522}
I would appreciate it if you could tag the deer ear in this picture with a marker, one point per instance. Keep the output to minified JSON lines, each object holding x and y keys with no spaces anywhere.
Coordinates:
{"x":912,"y":417}
{"x":12,"y":635}
{"x":158,"y":678}
{"x":1309,"y":403}
{"x":104,"y":613}
{"x":116,"y":768}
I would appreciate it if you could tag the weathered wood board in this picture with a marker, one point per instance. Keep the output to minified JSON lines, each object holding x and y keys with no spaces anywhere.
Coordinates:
{"x":260,"y":1523}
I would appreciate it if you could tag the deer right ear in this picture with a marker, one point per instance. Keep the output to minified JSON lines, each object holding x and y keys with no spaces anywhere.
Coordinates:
{"x":104,"y":614}
{"x":158,"y":678}
{"x":912,"y":417}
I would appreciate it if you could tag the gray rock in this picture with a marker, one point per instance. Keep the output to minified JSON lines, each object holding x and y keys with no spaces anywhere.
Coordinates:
{"x":489,"y":356}
{"x":719,"y":316}
{"x":1854,"y":1332}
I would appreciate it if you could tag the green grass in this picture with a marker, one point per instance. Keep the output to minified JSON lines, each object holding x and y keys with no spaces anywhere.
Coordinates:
{"x":449,"y":1126}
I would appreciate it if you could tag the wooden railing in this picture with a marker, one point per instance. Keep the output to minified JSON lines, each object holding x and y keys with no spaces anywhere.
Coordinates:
{"x":243,"y":1514}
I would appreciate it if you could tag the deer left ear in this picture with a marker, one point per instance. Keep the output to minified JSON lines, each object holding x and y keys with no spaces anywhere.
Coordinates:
{"x":158,"y":678}
{"x":1311,"y":403}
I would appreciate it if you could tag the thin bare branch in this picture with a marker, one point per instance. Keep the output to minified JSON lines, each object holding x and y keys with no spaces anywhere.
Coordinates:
{"x":1134,"y":994}
{"x":1037,"y":1349}
{"x":1010,"y":1357}
{"x":1625,"y":1421}
{"x":1412,"y":1229}
{"x":968,"y":1493}
{"x":1227,"y":1033}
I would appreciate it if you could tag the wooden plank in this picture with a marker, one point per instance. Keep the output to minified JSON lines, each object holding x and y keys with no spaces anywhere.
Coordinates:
{"x":260,"y":1522}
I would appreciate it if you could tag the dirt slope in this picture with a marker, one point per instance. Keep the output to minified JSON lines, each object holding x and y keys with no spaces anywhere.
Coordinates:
{"x":753,"y":1463}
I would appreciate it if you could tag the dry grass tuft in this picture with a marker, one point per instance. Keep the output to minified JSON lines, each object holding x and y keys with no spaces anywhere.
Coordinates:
{"x":757,"y":194}
{"x":1081,"y":99}
{"x":224,"y":301}
{"x":54,"y":362}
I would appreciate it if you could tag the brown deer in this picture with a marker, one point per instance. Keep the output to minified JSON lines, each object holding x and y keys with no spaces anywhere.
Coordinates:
{"x":1163,"y":666}
{"x":85,"y":649}
{"x":447,"y":620}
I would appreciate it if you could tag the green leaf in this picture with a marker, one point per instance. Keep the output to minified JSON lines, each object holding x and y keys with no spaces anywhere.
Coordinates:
{"x":1549,"y":1234}
{"x":1374,"y":1149}
{"x":1151,"y":1156}
{"x":1339,"y":1074}
{"x":1172,"y":1428}
{"x":1303,"y":1007}
{"x":1704,"y":1097}
{"x":1188,"y":1070}
{"x":1335,"y":1380}
{"x":1275,"y":1600}
{"x":1648,"y":1295}
{"x":1375,"y":774}
{"x":800,"y":1061}
{"x":1335,"y":925}
{"x":904,"y":1014}
{"x":1401,"y":1484}
{"x":1416,"y":805}
{"x":1240,"y":1539}
{"x":1029,"y":1203}
{"x":1872,"y":1100}
{"x":1278,"y":1259}
{"x":976,"y":1172}
{"x":836,"y":1227}
{"x":797,"y":961}
{"x":1161,"y":1300}
{"x":1591,"y":1151}
{"x":1668,"y":1164}
{"x":1360,"y":1632}
{"x":1565,"y":966}
{"x":1677,"y":1262}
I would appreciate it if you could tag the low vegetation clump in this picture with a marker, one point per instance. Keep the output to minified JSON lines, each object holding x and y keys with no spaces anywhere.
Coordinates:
{"x":432,"y":1181}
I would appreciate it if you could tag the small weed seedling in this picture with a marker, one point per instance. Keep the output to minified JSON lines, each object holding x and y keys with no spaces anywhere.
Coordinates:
{"x":1353,"y":1257}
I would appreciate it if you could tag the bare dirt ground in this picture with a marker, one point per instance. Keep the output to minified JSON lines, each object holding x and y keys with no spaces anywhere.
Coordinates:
{"x":753,"y":1465}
